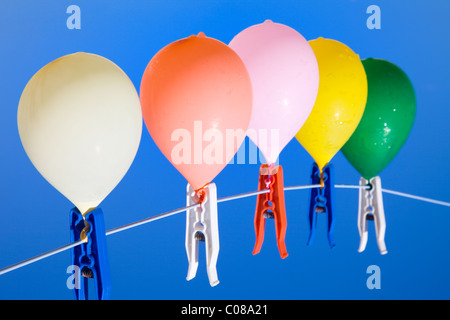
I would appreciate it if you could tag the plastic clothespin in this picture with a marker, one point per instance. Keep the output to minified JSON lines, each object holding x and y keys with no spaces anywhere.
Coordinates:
{"x":371,"y":208}
{"x":202,"y":225}
{"x":271,"y":205}
{"x":91,"y":257}
{"x":322,"y":200}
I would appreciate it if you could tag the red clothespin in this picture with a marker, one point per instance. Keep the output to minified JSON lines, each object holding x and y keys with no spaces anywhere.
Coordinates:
{"x":271,"y":205}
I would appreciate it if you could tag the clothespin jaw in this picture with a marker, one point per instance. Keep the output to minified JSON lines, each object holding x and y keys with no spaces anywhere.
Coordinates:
{"x":371,"y":207}
{"x":271,"y":205}
{"x":202,"y":225}
{"x":322,"y":200}
{"x":90,"y":257}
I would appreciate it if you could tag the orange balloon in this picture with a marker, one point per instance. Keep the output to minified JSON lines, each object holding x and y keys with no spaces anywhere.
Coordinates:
{"x":196,"y":99}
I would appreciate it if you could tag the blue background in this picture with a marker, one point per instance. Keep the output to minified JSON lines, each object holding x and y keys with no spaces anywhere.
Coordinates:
{"x":149,"y":262}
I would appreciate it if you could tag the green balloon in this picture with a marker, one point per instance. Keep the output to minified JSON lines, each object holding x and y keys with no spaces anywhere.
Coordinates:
{"x":387,"y":119}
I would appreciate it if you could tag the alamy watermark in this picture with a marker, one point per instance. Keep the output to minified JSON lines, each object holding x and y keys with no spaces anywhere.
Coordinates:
{"x":74,"y":279}
{"x":374,"y":20}
{"x":213,"y":146}
{"x":374,"y":280}
{"x":74,"y":20}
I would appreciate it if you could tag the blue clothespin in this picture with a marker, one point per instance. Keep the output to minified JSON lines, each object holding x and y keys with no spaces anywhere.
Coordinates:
{"x":321,"y":200}
{"x":91,"y":256}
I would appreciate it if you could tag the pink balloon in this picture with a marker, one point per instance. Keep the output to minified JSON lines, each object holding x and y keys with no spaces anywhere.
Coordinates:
{"x":285,"y":79}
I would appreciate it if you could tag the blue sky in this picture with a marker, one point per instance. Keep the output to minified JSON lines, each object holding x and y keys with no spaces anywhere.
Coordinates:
{"x":149,"y":262}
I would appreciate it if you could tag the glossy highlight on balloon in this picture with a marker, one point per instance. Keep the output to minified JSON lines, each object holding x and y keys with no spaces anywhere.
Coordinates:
{"x":387,"y":121}
{"x":196,"y":99}
{"x":80,"y":123}
{"x":285,"y":80}
{"x":340,"y":101}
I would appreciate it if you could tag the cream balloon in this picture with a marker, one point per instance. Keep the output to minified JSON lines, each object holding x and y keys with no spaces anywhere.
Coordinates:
{"x":80,"y":123}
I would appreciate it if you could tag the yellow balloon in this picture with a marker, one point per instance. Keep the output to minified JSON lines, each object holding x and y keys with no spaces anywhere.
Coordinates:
{"x":340,"y":101}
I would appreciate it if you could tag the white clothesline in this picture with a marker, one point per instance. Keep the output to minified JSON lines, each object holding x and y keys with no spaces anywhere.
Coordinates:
{"x":173,"y":212}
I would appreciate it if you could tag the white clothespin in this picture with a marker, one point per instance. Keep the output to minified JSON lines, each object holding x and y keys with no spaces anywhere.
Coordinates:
{"x":202,"y":225}
{"x":371,"y":208}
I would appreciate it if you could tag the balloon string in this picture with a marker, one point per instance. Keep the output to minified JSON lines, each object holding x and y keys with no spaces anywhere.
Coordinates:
{"x":173,"y":212}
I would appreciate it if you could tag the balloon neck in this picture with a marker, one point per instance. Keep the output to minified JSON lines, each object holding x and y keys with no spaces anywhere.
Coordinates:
{"x":84,"y":232}
{"x":268,"y":181}
{"x":87,"y":228}
{"x":322,"y":184}
{"x":268,"y":169}
{"x":200,"y":194}
{"x":87,"y":211}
